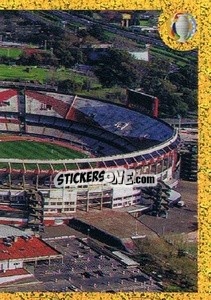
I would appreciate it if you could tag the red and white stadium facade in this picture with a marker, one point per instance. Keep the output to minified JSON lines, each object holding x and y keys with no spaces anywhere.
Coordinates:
{"x":113,"y":137}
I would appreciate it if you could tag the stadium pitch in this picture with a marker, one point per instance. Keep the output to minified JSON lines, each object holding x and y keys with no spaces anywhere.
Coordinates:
{"x":24,"y":149}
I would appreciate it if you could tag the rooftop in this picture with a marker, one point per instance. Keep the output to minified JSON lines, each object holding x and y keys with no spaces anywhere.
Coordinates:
{"x":122,"y":121}
{"x":125,"y":259}
{"x":8,"y":208}
{"x":113,"y":222}
{"x":60,"y":231}
{"x":24,"y":248}
{"x":6,"y":230}
{"x":14,"y":272}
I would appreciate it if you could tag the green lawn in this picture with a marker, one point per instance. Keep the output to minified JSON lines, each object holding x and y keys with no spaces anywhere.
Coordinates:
{"x":10,"y":52}
{"x":37,"y":74}
{"x":43,"y":75}
{"x":36,"y":150}
{"x":114,"y":94}
{"x":20,"y":72}
{"x":144,"y":23}
{"x":172,"y":55}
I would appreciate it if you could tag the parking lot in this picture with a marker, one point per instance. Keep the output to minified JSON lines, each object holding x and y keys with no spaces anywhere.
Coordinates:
{"x":84,"y":269}
{"x":86,"y":266}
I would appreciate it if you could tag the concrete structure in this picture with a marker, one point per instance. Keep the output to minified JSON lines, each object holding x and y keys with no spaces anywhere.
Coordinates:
{"x":11,"y":276}
{"x":127,"y":261}
{"x":115,"y":137}
{"x":140,"y":55}
{"x":16,"y":251}
{"x":126,"y":17}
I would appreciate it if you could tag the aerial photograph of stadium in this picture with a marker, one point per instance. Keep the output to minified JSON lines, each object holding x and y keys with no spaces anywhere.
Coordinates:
{"x":84,"y":94}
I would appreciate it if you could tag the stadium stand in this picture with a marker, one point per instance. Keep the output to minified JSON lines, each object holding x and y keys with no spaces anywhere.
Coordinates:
{"x":9,"y":124}
{"x":113,"y":135}
{"x":49,"y":105}
{"x":8,"y":100}
{"x":13,"y":127}
{"x":35,"y":129}
{"x":61,"y":97}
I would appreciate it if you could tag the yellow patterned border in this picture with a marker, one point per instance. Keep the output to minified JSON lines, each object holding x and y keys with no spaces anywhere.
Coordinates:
{"x":201,"y":10}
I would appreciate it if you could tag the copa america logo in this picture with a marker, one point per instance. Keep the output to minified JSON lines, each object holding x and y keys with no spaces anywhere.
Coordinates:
{"x":183,"y":27}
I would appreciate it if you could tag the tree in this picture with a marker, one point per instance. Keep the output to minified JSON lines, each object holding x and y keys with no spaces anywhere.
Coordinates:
{"x":190,"y":98}
{"x":37,"y":58}
{"x":67,"y":49}
{"x":170,"y":94}
{"x":136,"y":18}
{"x":117,"y":67}
{"x":82,"y":33}
{"x":174,"y":86}
{"x":70,"y":86}
{"x":97,"y":31}
{"x":190,"y":75}
{"x":65,"y":86}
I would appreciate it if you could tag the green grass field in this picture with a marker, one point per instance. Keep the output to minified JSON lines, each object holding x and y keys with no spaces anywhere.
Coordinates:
{"x":173,"y":55}
{"x":37,"y":74}
{"x":10,"y":52}
{"x":144,"y":23}
{"x":19,"y":72}
{"x":36,"y":150}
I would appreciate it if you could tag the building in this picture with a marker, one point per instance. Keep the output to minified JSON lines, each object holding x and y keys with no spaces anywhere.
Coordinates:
{"x":19,"y":248}
{"x":113,"y":136}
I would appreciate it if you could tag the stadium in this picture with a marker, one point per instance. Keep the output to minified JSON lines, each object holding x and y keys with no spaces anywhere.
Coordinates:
{"x":102,"y":135}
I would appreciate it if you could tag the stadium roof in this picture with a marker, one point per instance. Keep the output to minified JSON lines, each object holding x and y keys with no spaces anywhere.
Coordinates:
{"x":26,"y":248}
{"x":123,"y":121}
